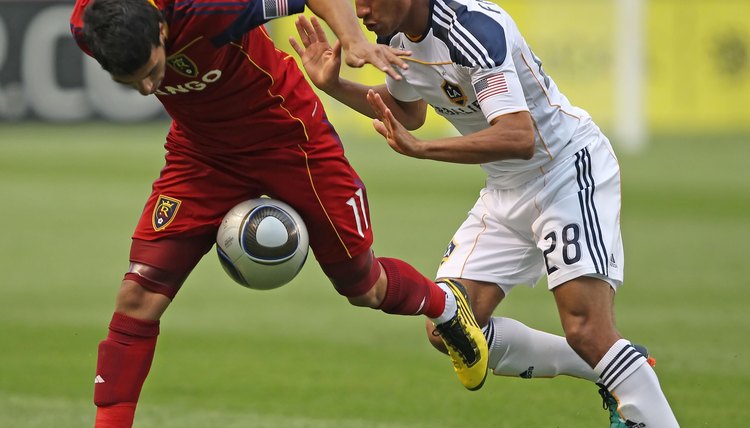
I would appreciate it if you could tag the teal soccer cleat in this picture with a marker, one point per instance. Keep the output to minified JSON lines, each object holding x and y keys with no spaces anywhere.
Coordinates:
{"x":609,"y":402}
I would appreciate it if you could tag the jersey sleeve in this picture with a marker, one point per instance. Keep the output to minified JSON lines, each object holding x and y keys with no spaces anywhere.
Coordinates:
{"x":242,"y":16}
{"x":480,"y":41}
{"x":498,"y":90}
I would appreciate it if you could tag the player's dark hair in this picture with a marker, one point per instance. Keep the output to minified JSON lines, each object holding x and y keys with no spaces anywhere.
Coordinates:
{"x":121,"y":33}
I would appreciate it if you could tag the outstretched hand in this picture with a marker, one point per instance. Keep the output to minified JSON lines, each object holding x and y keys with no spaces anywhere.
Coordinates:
{"x":385,"y":58}
{"x":323,"y":61}
{"x":397,"y":136}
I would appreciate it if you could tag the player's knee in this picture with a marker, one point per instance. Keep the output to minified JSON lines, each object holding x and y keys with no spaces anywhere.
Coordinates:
{"x":138,"y":302}
{"x":146,"y":291}
{"x":131,"y":297}
{"x":157,"y":280}
{"x":590,"y":340}
{"x":355,"y":279}
{"x":576,"y":336}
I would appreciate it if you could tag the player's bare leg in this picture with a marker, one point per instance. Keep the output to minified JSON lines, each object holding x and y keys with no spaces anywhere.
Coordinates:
{"x":586,"y":310}
{"x":135,"y":301}
{"x":516,"y":350}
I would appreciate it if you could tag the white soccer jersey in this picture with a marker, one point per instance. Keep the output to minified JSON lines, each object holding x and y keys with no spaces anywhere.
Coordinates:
{"x":472,"y":65}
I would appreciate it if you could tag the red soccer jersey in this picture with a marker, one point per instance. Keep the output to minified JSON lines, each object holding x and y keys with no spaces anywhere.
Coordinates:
{"x":227,"y":87}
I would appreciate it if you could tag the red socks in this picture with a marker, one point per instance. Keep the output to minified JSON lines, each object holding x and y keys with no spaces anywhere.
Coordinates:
{"x":409,"y":292}
{"x":124,"y":361}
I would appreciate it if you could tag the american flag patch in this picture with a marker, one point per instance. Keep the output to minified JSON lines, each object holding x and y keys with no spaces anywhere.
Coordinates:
{"x":275,"y":8}
{"x":493,"y":84}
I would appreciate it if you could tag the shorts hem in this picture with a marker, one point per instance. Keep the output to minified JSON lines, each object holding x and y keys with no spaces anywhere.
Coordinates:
{"x":506,"y":286}
{"x":613,"y":281}
{"x":353,"y":253}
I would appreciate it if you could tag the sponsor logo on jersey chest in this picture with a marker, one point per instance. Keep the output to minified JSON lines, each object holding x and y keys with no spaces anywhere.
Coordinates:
{"x":455,"y":111}
{"x":192,"y":86}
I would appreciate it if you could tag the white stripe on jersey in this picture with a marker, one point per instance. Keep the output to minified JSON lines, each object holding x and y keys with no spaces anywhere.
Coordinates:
{"x":460,"y":36}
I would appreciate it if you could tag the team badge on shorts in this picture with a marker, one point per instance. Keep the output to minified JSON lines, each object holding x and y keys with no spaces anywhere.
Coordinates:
{"x":448,"y":252}
{"x":183,"y":65}
{"x":164,"y":212}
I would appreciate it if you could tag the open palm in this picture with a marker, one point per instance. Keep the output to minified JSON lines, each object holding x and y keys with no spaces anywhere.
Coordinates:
{"x":397,"y":136}
{"x":321,"y":61}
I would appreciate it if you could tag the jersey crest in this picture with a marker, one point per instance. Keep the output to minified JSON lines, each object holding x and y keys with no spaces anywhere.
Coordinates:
{"x":164,"y":212}
{"x":183,"y":65}
{"x":454,"y":93}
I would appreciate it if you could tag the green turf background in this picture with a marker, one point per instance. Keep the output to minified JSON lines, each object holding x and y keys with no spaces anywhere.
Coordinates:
{"x":301,"y":356}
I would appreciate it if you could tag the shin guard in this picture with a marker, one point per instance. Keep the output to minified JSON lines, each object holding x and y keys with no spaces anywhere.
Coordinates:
{"x":409,"y":292}
{"x":124,"y":361}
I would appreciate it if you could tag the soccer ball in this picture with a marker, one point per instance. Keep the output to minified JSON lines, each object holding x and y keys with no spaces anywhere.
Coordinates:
{"x":262,"y":243}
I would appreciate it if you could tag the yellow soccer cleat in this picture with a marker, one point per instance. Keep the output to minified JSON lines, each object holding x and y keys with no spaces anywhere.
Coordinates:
{"x":465,"y":341}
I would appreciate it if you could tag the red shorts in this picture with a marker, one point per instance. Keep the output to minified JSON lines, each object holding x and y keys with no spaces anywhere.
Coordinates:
{"x":196,"y":188}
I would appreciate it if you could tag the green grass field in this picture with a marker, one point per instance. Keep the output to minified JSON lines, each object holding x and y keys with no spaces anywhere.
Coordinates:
{"x":300,"y":356}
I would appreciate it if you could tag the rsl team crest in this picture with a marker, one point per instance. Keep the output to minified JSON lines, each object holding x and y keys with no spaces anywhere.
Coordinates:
{"x":164,"y":212}
{"x":183,"y":65}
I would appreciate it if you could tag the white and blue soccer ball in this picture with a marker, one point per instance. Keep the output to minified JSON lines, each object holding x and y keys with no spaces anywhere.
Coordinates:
{"x":262,"y":243}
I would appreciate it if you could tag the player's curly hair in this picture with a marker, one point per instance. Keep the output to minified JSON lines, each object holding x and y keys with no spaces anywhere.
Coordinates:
{"x":121,"y":33}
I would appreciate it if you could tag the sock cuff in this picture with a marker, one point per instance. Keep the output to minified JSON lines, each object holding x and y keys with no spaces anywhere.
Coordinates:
{"x":493,"y":334}
{"x":447,"y":306}
{"x":130,"y":326}
{"x":618,"y":363}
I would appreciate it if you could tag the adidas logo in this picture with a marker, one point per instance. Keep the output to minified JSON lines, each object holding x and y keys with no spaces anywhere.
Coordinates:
{"x":98,"y":379}
{"x":612,"y":262}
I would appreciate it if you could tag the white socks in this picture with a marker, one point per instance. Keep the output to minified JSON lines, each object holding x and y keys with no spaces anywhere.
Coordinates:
{"x":624,"y":372}
{"x":450,"y":305}
{"x":520,"y":351}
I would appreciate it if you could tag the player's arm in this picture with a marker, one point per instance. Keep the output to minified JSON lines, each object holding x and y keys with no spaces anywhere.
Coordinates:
{"x":509,"y":136}
{"x":411,"y":115}
{"x":340,"y":16}
{"x":322,"y":63}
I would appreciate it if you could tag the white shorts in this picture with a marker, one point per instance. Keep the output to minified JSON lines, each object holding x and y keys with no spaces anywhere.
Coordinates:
{"x":565,"y":223}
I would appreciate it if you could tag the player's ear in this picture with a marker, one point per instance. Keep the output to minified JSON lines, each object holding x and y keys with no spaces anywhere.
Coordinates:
{"x":163,"y":33}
